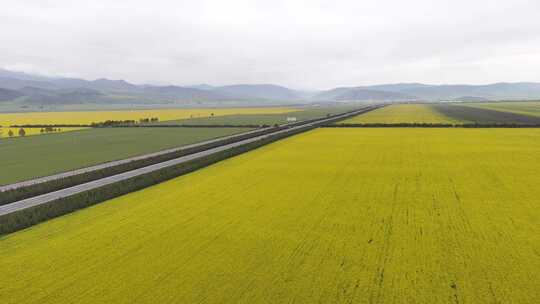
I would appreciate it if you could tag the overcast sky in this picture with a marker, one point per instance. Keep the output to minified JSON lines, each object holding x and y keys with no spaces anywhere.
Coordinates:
{"x":303,"y":44}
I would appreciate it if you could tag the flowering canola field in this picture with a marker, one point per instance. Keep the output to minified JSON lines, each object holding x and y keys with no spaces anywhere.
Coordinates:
{"x":88,"y":117}
{"x":329,"y":216}
{"x":403,"y":113}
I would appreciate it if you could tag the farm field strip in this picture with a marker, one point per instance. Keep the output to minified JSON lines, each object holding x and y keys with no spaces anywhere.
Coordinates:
{"x":88,"y":117}
{"x":524,"y":108}
{"x":300,"y":114}
{"x":402,"y":215}
{"x":404,"y":113}
{"x":484,"y":115}
{"x":37,"y":156}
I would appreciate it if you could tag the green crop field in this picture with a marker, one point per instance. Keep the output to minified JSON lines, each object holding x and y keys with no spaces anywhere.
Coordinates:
{"x":525,"y":107}
{"x":266,"y":119}
{"x":356,"y":215}
{"x":481,"y":115}
{"x":404,"y":113}
{"x":35,"y":156}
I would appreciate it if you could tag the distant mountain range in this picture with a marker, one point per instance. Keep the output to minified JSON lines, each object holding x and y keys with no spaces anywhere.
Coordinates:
{"x":32,"y":89}
{"x":6,"y":94}
{"x":424,"y":92}
{"x":41,"y":90}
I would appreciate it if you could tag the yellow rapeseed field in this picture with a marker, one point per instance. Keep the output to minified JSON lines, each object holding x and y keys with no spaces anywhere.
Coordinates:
{"x":88,"y":117}
{"x":330,"y":216}
{"x":403,"y":113}
{"x":4,"y":132}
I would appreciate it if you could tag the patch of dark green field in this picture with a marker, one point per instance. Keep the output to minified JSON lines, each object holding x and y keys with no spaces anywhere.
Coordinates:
{"x":35,"y":156}
{"x":485,"y":116}
{"x":263,"y":119}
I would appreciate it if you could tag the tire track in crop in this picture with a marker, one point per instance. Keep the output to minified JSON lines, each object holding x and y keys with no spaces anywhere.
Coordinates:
{"x":384,"y":253}
{"x":465,"y":232}
{"x":239,"y":293}
{"x":324,"y":208}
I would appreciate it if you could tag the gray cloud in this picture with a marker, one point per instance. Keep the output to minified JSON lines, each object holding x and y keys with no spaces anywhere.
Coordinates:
{"x":310,"y":44}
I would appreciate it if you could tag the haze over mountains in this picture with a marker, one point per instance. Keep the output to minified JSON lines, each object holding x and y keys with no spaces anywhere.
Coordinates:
{"x":40,"y":90}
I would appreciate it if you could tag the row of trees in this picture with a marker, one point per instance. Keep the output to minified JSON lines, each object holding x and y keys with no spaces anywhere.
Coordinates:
{"x":147,"y":120}
{"x":109,"y":123}
{"x":49,"y":130}
{"x":22,"y":132}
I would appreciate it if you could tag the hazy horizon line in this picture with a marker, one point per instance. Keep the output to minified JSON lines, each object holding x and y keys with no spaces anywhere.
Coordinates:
{"x":295,"y":87}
